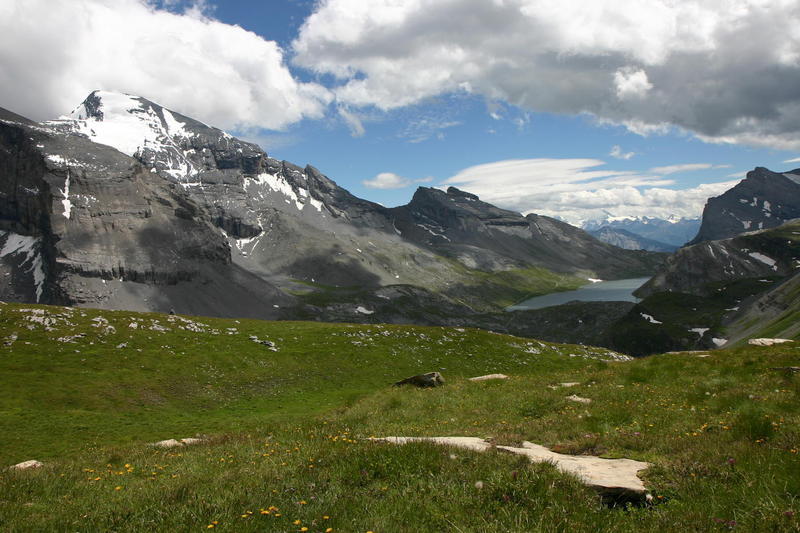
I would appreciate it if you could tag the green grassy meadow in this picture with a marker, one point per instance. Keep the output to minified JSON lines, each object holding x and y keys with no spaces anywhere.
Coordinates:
{"x":287,"y":431}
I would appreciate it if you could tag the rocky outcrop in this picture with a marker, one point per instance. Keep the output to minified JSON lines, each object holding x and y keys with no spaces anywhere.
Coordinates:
{"x":763,"y":200}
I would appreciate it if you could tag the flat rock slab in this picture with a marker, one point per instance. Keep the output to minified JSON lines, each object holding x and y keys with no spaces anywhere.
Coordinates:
{"x":576,"y":398}
{"x":566,"y":384}
{"x":470,"y":443}
{"x":611,"y":476}
{"x":616,"y":478}
{"x":175,"y":443}
{"x":27,"y":465}
{"x":767,"y":342}
{"x":488,"y":377}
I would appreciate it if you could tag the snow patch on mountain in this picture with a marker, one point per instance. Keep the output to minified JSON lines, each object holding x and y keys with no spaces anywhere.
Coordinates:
{"x":123,"y":124}
{"x":279,"y":184}
{"x":764,"y":259}
{"x":66,"y":202}
{"x":131,"y":125}
{"x":650,"y":318}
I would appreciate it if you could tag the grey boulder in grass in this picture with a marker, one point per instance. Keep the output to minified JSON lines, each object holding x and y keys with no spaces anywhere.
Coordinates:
{"x":27,"y":465}
{"x":431,"y":379}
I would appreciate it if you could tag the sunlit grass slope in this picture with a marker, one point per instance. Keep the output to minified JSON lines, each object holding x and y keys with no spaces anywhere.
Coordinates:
{"x":287,"y":430}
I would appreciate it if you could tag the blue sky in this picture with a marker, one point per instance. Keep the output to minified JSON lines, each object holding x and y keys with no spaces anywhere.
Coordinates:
{"x":567,"y":109}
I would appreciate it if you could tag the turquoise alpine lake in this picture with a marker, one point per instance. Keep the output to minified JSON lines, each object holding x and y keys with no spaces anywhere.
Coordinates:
{"x":618,"y":290}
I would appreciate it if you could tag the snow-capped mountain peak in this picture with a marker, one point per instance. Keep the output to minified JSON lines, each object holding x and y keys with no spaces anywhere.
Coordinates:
{"x":138,"y":128}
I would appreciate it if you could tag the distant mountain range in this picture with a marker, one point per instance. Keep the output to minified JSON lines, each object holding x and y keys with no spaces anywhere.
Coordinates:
{"x":630,"y":241}
{"x":654,"y":232}
{"x":125,"y":204}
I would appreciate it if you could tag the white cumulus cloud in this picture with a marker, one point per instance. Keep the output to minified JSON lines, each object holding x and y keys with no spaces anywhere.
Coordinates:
{"x":59,"y":51}
{"x":631,"y":83}
{"x":617,"y":153}
{"x":726,"y":70}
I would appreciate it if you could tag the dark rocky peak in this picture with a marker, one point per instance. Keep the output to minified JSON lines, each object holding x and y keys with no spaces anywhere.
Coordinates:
{"x":438,"y":204}
{"x":90,"y":108}
{"x":319,"y":182}
{"x":764,"y":199}
{"x":452,"y":191}
{"x":341,"y":202}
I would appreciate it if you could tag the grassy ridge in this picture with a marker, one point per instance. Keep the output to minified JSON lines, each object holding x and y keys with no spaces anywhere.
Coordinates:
{"x":149,"y":378}
{"x":288,"y":430}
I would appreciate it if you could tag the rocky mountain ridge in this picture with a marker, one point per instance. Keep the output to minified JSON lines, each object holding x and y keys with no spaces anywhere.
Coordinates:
{"x":763,"y":200}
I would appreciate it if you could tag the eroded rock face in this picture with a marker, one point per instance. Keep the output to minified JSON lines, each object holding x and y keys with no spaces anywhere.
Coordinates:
{"x":84,"y":223}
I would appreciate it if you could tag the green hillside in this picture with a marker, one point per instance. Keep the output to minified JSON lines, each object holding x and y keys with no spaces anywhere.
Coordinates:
{"x":286,"y":430}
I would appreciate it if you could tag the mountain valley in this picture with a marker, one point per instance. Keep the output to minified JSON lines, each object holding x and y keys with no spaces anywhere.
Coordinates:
{"x":123,"y":204}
